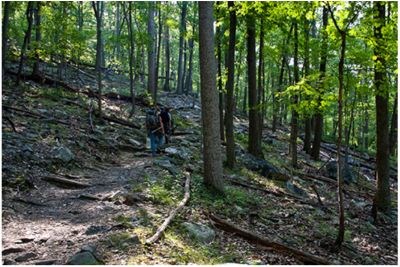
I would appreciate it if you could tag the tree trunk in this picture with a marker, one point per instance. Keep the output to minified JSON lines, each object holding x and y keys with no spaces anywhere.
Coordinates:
{"x":293,"y":124}
{"x":99,"y":10}
{"x":382,"y":200}
{"x":307,"y":120}
{"x":230,"y":138}
{"x":220,"y":90}
{"x":182,"y":31}
{"x":151,"y":53}
{"x":131,"y":55}
{"x":260,"y":79}
{"x":6,"y":19}
{"x":167,"y":59}
{"x":213,"y":175}
{"x":254,"y":122}
{"x":318,"y":118}
{"x":393,"y":129}
{"x":158,"y":48}
{"x":188,"y":83}
{"x":38,"y":39}
{"x":29,"y":16}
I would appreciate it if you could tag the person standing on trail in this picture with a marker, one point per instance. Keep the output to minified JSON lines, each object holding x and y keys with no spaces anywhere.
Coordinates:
{"x":167,"y":123}
{"x":155,"y":130}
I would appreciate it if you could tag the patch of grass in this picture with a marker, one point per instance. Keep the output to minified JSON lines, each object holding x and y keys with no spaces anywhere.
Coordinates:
{"x":55,"y":94}
{"x":159,"y":194}
{"x":181,"y":122}
{"x":326,"y":230}
{"x":121,"y":241}
{"x":125,"y":221}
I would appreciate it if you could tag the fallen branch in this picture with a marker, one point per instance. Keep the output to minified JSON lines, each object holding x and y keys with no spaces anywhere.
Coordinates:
{"x":11,"y":123}
{"x":305,"y":257}
{"x":173,"y":213}
{"x":315,"y":177}
{"x":66,"y":183}
{"x":120,"y":121}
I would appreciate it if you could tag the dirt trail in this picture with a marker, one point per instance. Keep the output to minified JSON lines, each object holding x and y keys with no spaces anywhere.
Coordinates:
{"x":63,"y":223}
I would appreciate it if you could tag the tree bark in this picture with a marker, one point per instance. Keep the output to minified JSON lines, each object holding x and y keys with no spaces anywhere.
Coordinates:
{"x":98,"y":8}
{"x":188,"y":83}
{"x":29,"y":16}
{"x":293,"y":124}
{"x":158,"y":48}
{"x":167,"y":59}
{"x":318,"y":118}
{"x":260,"y":79}
{"x":131,"y":56}
{"x":182,"y":31}
{"x":393,"y":129}
{"x":220,"y":90}
{"x":6,"y":19}
{"x":254,"y":122}
{"x":213,"y":175}
{"x":230,"y":138}
{"x":38,"y":38}
{"x":151,"y":53}
{"x":382,"y":200}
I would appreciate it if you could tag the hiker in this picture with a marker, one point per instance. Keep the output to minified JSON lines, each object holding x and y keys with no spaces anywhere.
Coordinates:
{"x":167,"y":123}
{"x":155,"y":130}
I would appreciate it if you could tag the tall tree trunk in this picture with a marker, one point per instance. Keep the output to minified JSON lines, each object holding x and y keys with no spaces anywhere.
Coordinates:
{"x":213,"y":175}
{"x":307,"y":120}
{"x":29,"y":17}
{"x":6,"y":19}
{"x":220,"y":90}
{"x":98,"y":8}
{"x":151,"y":53}
{"x":230,"y":138}
{"x":260,"y":78}
{"x":293,"y":123}
{"x":319,"y":119}
{"x":38,"y":38}
{"x":182,"y":32}
{"x":382,"y":201}
{"x":131,"y":55}
{"x":188,"y":83}
{"x":167,"y":59}
{"x":158,"y":48}
{"x":254,"y":122}
{"x":393,"y":129}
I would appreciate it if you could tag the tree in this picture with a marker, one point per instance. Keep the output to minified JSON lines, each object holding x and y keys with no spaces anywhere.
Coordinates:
{"x":167,"y":57}
{"x":318,"y":117}
{"x":209,"y":99}
{"x":382,"y":196}
{"x":131,"y":54}
{"x":254,"y":122}
{"x":38,"y":38}
{"x":230,"y":138}
{"x":29,"y":17}
{"x":98,"y":8}
{"x":182,"y":33}
{"x":293,"y":123}
{"x":393,"y":129}
{"x":151,"y":53}
{"x":343,"y":34}
{"x":6,"y":18}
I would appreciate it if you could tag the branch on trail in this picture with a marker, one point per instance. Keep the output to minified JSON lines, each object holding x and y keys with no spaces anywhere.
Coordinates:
{"x":11,"y":123}
{"x":173,"y":213}
{"x":120,"y":121}
{"x":65,"y":183}
{"x":315,"y":177}
{"x":305,"y":257}
{"x":314,"y":187}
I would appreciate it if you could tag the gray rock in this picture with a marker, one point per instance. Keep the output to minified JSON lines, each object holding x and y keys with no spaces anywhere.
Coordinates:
{"x":95,"y":229}
{"x":182,"y":152}
{"x":295,"y":189}
{"x":135,"y":142}
{"x":11,"y":250}
{"x":63,"y":154}
{"x":25,"y":257}
{"x":83,"y":258}
{"x":348,"y":174}
{"x":264,"y":168}
{"x":200,"y":232}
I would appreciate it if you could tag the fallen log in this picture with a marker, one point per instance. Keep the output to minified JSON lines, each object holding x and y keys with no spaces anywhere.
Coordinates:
{"x":120,"y":121}
{"x":173,"y":213}
{"x":65,"y":183}
{"x":304,"y":257}
{"x":315,"y":177}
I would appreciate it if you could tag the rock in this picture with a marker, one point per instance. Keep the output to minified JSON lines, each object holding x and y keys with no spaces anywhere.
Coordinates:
{"x":131,"y":199}
{"x":45,"y":262}
{"x":135,"y":142}
{"x":8,"y":251}
{"x":166,"y":164}
{"x":182,"y":152}
{"x":264,"y":168}
{"x":83,"y":258}
{"x":295,"y":189}
{"x":63,"y":154}
{"x":9,"y":262}
{"x":94,"y":229}
{"x":348,"y":174}
{"x":200,"y":232}
{"x":25,"y":257}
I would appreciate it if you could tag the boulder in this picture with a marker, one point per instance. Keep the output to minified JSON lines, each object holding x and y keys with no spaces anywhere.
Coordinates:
{"x":182,"y":152}
{"x":63,"y":154}
{"x":348,"y":174}
{"x":294,"y":189}
{"x":200,"y":232}
{"x":86,"y":256}
{"x":25,"y":257}
{"x":264,"y":168}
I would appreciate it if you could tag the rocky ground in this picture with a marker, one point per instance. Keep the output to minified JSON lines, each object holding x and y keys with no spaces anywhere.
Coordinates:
{"x":76,"y":196}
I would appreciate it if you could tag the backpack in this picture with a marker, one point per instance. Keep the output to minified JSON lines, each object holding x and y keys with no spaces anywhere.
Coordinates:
{"x":165,"y":116}
{"x":152,"y":120}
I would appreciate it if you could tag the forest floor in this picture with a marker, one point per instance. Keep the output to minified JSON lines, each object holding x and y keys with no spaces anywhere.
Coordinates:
{"x":67,"y":191}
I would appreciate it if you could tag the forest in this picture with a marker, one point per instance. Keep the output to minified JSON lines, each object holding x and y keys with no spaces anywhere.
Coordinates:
{"x":184,"y":132}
